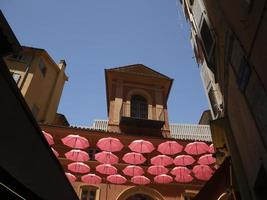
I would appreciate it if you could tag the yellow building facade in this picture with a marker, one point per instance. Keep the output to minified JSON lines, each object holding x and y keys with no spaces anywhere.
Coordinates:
{"x":40,"y":81}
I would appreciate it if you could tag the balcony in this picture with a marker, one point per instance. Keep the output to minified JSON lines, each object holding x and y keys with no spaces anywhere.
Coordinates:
{"x":127,"y":118}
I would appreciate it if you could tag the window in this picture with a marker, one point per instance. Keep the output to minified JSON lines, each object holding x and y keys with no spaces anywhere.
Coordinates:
{"x":42,"y":67}
{"x":92,"y":152}
{"x":206,"y":37}
{"x":16,"y":77}
{"x":243,"y":74}
{"x":139,"y":107}
{"x":88,"y":193}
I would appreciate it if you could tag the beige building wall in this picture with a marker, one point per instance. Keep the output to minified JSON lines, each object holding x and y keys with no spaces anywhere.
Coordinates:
{"x":41,"y":81}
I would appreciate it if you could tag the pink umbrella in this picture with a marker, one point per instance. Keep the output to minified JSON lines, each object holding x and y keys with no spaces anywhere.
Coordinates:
{"x":134,"y":158}
{"x":133,"y":170}
{"x":170,"y":148}
{"x":211,"y":149}
{"x":186,"y":178}
{"x":180,"y":171}
{"x":75,"y":141}
{"x":116,"y":179}
{"x":106,"y":157}
{"x":48,"y":138}
{"x":183,"y":160}
{"x":77,"y":155}
{"x":55,"y":152}
{"x":106,"y":169}
{"x":78,"y":167}
{"x":140,"y":180}
{"x":202,"y":172}
{"x":161,"y":160}
{"x":163,"y":178}
{"x":91,"y":179}
{"x":157,"y":170}
{"x":141,"y":146}
{"x":110,"y":144}
{"x":196,"y":148}
{"x":71,"y":177}
{"x":206,"y":159}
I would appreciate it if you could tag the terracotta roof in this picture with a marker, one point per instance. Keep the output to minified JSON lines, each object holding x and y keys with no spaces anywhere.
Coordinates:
{"x":139,"y":69}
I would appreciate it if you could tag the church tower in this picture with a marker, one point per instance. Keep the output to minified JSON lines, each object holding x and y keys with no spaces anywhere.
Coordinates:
{"x":137,"y":100}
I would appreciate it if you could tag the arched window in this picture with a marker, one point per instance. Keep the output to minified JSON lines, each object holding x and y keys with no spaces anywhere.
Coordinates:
{"x":139,"y":107}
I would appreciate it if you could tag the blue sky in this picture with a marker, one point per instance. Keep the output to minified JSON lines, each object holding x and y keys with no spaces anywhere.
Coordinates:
{"x":93,"y":35}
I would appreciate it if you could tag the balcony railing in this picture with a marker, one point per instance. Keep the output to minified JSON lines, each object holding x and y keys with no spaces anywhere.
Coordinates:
{"x":125,"y":111}
{"x":156,"y":121}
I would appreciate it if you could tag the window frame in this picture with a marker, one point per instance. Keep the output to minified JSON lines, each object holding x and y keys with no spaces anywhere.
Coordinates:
{"x":139,"y":107}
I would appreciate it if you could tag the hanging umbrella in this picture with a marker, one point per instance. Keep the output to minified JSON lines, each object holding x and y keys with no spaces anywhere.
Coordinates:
{"x":161,"y":160}
{"x":48,"y":138}
{"x":110,"y":144}
{"x":157,"y":170}
{"x":77,"y":155}
{"x":106,"y":169}
{"x":133,"y":170}
{"x":106,"y":157}
{"x":202,"y":172}
{"x":71,"y":177}
{"x":75,"y":141}
{"x":170,"y":148}
{"x":116,"y":179}
{"x":91,"y":179}
{"x":163,"y":178}
{"x":134,"y":158}
{"x":141,"y":146}
{"x":211,"y":149}
{"x":55,"y":152}
{"x":206,"y":159}
{"x":183,"y":160}
{"x":180,"y":171}
{"x":78,"y":167}
{"x":196,"y":148}
{"x":186,"y":178}
{"x":140,"y":180}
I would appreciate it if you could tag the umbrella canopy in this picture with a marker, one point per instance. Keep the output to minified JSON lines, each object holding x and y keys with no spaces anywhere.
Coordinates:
{"x":206,"y":159}
{"x":77,"y":155}
{"x":75,"y":141}
{"x":78,"y":167}
{"x":134,"y":158}
{"x":196,"y":148}
{"x":181,"y":171}
{"x":140,"y":180}
{"x":106,"y":157}
{"x":109,"y":144}
{"x":161,"y":160}
{"x":133,"y":170}
{"x":202,"y":172}
{"x":183,"y":160}
{"x":211,"y":148}
{"x":141,"y":146}
{"x":186,"y":178}
{"x":163,"y":178}
{"x":48,"y":138}
{"x":170,"y":148}
{"x":106,"y":169}
{"x":55,"y":152}
{"x":91,"y":179}
{"x":71,"y":177}
{"x":157,"y":170}
{"x":116,"y":179}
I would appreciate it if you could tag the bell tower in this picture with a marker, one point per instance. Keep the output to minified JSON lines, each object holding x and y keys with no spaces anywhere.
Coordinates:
{"x":137,"y":100}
